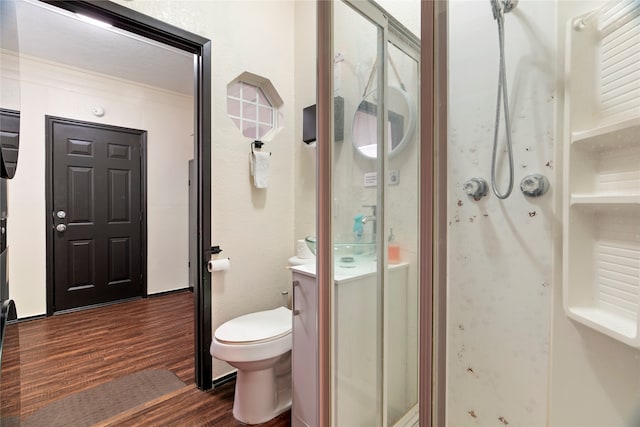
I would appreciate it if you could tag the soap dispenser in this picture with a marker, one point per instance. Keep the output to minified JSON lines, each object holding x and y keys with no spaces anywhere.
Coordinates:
{"x":393,"y":249}
{"x":358,"y":228}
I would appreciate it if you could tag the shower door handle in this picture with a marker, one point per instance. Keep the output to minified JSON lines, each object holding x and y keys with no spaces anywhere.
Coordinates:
{"x":295,"y":311}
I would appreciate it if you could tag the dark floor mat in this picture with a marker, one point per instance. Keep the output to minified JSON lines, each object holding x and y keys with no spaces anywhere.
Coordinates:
{"x":106,"y":400}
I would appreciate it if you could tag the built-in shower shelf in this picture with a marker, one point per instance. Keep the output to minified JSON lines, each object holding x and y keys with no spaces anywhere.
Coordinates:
{"x":622,"y":328}
{"x":623,"y":201}
{"x":601,"y":173}
{"x":602,"y":268}
{"x":621,"y":134}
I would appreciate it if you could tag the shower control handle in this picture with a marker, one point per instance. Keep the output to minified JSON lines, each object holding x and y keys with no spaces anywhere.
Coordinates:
{"x":534,"y":185}
{"x":476,"y":188}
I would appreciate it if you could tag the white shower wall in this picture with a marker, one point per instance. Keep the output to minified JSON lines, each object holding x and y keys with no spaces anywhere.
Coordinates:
{"x":499,"y":252}
{"x":513,"y":355}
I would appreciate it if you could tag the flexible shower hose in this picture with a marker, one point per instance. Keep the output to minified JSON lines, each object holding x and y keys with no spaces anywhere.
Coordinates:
{"x":502,"y":95}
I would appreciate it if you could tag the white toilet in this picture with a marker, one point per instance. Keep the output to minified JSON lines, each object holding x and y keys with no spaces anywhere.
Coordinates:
{"x":259,"y":346}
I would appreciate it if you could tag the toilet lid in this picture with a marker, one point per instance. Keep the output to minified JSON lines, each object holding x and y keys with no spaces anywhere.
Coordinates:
{"x":260,"y":326}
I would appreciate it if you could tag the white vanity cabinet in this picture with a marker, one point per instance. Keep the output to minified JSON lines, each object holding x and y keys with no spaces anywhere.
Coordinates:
{"x":304,"y":353}
{"x":360,"y":333}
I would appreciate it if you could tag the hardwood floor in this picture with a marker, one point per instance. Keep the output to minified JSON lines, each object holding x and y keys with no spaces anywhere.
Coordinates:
{"x":64,"y":354}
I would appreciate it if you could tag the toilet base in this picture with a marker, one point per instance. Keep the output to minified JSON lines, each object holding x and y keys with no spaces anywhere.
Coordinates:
{"x":263,"y":394}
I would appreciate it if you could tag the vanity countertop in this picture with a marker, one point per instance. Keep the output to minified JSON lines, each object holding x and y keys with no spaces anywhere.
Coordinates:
{"x":344,"y":274}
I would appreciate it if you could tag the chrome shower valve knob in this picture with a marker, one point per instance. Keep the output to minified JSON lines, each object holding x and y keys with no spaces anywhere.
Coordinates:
{"x":476,"y":188}
{"x":534,"y":185}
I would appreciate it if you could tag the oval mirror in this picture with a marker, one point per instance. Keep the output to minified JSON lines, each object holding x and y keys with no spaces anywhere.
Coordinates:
{"x":9,"y":142}
{"x":400,"y":125}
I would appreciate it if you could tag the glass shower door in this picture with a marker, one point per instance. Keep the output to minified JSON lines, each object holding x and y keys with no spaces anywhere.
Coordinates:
{"x":375,"y":219}
{"x":401,"y":225}
{"x":357,"y":375}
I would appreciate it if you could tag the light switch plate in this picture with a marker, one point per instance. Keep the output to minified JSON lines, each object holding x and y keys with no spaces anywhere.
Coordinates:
{"x":370,"y":179}
{"x":394,"y":177}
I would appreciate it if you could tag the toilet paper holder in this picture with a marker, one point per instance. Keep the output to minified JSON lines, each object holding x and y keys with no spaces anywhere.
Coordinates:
{"x":257,"y":144}
{"x":220,"y":264}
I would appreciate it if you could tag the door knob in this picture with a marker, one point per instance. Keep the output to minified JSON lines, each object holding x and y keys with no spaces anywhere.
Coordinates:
{"x":61,"y":214}
{"x":60,"y":228}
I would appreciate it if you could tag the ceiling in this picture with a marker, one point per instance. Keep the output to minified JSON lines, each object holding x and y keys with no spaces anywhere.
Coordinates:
{"x":56,"y":35}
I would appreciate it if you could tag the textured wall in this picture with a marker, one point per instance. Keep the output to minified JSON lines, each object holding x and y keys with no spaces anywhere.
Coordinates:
{"x":305,"y":95}
{"x":253,"y":227}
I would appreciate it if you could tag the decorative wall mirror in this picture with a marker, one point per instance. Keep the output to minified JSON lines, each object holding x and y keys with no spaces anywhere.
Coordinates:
{"x":400,"y":123}
{"x":9,"y":142}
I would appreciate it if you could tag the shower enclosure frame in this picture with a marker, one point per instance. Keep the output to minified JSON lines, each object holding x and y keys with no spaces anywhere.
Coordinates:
{"x":432,"y":212}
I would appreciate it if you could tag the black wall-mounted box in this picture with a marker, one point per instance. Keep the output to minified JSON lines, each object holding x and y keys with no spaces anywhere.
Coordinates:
{"x":309,"y":120}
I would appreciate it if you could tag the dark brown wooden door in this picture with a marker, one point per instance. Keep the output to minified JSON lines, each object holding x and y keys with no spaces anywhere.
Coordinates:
{"x":96,"y":217}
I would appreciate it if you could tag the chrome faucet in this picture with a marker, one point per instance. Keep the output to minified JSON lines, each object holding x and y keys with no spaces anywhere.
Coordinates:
{"x":371,"y":218}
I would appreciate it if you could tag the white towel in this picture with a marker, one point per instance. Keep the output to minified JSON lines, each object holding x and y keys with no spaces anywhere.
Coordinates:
{"x":259,"y":162}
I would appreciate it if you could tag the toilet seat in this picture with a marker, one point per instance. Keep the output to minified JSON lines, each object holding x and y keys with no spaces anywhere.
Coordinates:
{"x":253,"y":328}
